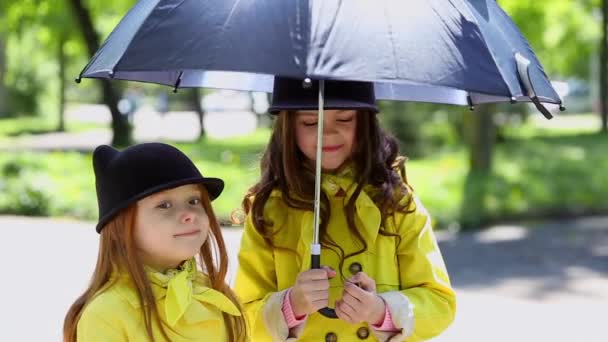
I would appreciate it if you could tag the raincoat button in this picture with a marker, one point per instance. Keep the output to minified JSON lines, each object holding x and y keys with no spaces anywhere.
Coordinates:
{"x":363,"y":333}
{"x":355,"y":268}
{"x":331,"y":337}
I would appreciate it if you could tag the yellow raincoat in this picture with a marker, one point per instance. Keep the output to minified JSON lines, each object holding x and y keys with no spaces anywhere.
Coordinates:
{"x":410,"y":274}
{"x":191,"y":310}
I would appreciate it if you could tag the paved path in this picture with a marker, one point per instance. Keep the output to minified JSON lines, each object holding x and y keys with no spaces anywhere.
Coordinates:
{"x":176,"y":126}
{"x":547,"y":282}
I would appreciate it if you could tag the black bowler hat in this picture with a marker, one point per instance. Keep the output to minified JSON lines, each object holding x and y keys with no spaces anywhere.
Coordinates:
{"x":124,"y":177}
{"x":293,"y":94}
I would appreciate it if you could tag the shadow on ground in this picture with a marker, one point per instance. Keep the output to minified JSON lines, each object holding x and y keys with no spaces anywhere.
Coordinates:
{"x":545,"y":259}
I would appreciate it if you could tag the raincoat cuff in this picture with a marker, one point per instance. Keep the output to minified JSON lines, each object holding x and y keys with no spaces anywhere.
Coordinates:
{"x":289,"y":315}
{"x":402,"y":314}
{"x":275,"y":320}
{"x":387,"y":324}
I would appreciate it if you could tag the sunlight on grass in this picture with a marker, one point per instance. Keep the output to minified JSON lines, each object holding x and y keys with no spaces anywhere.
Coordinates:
{"x":536,"y":172}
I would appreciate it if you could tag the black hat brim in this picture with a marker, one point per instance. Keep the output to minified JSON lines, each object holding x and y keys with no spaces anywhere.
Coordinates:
{"x":336,"y":104}
{"x":214,"y":187}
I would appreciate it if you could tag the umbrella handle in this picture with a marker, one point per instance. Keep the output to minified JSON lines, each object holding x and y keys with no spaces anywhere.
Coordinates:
{"x":315,"y":262}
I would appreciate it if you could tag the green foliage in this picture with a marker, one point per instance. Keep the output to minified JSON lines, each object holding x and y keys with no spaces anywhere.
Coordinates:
{"x":563,"y":33}
{"x":37,"y":184}
{"x":34,"y":31}
{"x":537,"y":173}
{"x":421,"y":128}
{"x":24,"y":188}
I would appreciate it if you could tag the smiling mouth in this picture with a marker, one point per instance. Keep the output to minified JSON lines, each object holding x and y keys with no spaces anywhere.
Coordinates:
{"x":190,"y":233}
{"x":332,"y":148}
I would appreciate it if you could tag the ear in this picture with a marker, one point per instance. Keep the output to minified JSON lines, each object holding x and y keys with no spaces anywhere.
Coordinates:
{"x":102,"y":156}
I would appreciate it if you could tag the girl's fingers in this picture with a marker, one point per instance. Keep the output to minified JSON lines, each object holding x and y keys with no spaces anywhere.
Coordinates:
{"x":364,"y":281}
{"x":315,"y":274}
{"x":355,"y":291}
{"x":318,"y":295}
{"x":319,"y":284}
{"x":350,"y":300}
{"x":347,"y":311}
{"x":329,"y":271}
{"x":319,"y":304}
{"x":315,"y":285}
{"x":341,"y":315}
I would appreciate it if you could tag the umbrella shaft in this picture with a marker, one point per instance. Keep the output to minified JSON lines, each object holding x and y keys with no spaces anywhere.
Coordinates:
{"x":318,"y":162}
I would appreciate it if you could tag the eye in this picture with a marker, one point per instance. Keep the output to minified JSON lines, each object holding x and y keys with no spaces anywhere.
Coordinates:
{"x":195,"y":201}
{"x":309,"y":124}
{"x":346,"y":119}
{"x":165,"y":205}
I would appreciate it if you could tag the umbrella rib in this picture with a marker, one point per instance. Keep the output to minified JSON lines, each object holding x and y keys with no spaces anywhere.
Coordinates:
{"x":392,"y":40}
{"x":502,"y":74}
{"x":114,"y":32}
{"x":232,"y":10}
{"x":152,"y":8}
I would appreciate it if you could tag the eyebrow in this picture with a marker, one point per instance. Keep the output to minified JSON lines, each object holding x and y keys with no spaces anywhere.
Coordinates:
{"x":165,"y":194}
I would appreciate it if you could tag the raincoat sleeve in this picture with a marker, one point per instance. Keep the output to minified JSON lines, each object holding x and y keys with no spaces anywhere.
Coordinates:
{"x":256,"y":286}
{"x":95,"y":326}
{"x":426,"y":304}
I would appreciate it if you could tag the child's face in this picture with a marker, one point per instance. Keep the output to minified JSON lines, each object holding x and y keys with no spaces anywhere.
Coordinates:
{"x":339,"y":127}
{"x":171,"y":226}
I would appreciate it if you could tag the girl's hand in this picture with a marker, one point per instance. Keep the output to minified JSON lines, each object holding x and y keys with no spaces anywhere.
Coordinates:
{"x":311,"y":291}
{"x":360,"y":303}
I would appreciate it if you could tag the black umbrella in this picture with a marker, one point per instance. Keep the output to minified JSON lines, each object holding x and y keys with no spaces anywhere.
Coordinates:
{"x":461,"y":52}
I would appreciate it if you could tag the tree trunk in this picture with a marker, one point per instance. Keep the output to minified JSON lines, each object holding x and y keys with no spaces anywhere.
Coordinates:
{"x":195,"y":99}
{"x":3,"y":97}
{"x":122,"y":134}
{"x":62,"y":62}
{"x":604,"y":68}
{"x":481,"y":137}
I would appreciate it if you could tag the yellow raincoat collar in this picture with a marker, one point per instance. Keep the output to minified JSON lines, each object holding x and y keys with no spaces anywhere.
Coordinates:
{"x":368,"y":216}
{"x":181,"y":293}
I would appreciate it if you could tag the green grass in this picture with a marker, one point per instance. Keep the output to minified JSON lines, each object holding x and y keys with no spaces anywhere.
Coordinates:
{"x":537,"y":173}
{"x":62,"y":183}
{"x":235,"y":160}
{"x":540,"y":177}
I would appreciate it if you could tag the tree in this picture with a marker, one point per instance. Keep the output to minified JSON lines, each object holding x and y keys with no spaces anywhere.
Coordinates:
{"x":563,"y":33}
{"x":481,"y":135}
{"x":3,"y":98}
{"x":120,"y":125}
{"x":62,"y":59}
{"x":195,"y":100}
{"x":549,"y":27}
{"x":604,"y":68}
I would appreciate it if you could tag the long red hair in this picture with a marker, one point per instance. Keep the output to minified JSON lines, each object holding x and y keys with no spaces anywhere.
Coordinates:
{"x":117,"y":253}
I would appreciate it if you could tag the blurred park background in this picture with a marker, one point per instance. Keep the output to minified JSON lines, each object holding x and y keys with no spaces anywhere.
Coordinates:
{"x":471,"y":168}
{"x":495,"y":165}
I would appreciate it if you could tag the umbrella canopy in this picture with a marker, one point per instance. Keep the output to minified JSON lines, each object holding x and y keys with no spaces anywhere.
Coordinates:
{"x":461,"y":52}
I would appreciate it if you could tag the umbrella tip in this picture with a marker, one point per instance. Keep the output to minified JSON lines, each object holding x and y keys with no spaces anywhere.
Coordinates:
{"x":513,"y":100}
{"x":78,"y":80}
{"x":307,"y":83}
{"x":178,"y":82}
{"x":470,"y":102}
{"x":562,"y":107}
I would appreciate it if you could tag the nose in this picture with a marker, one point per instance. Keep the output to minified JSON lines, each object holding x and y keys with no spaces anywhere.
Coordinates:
{"x":187,"y":216}
{"x":329,"y":126}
